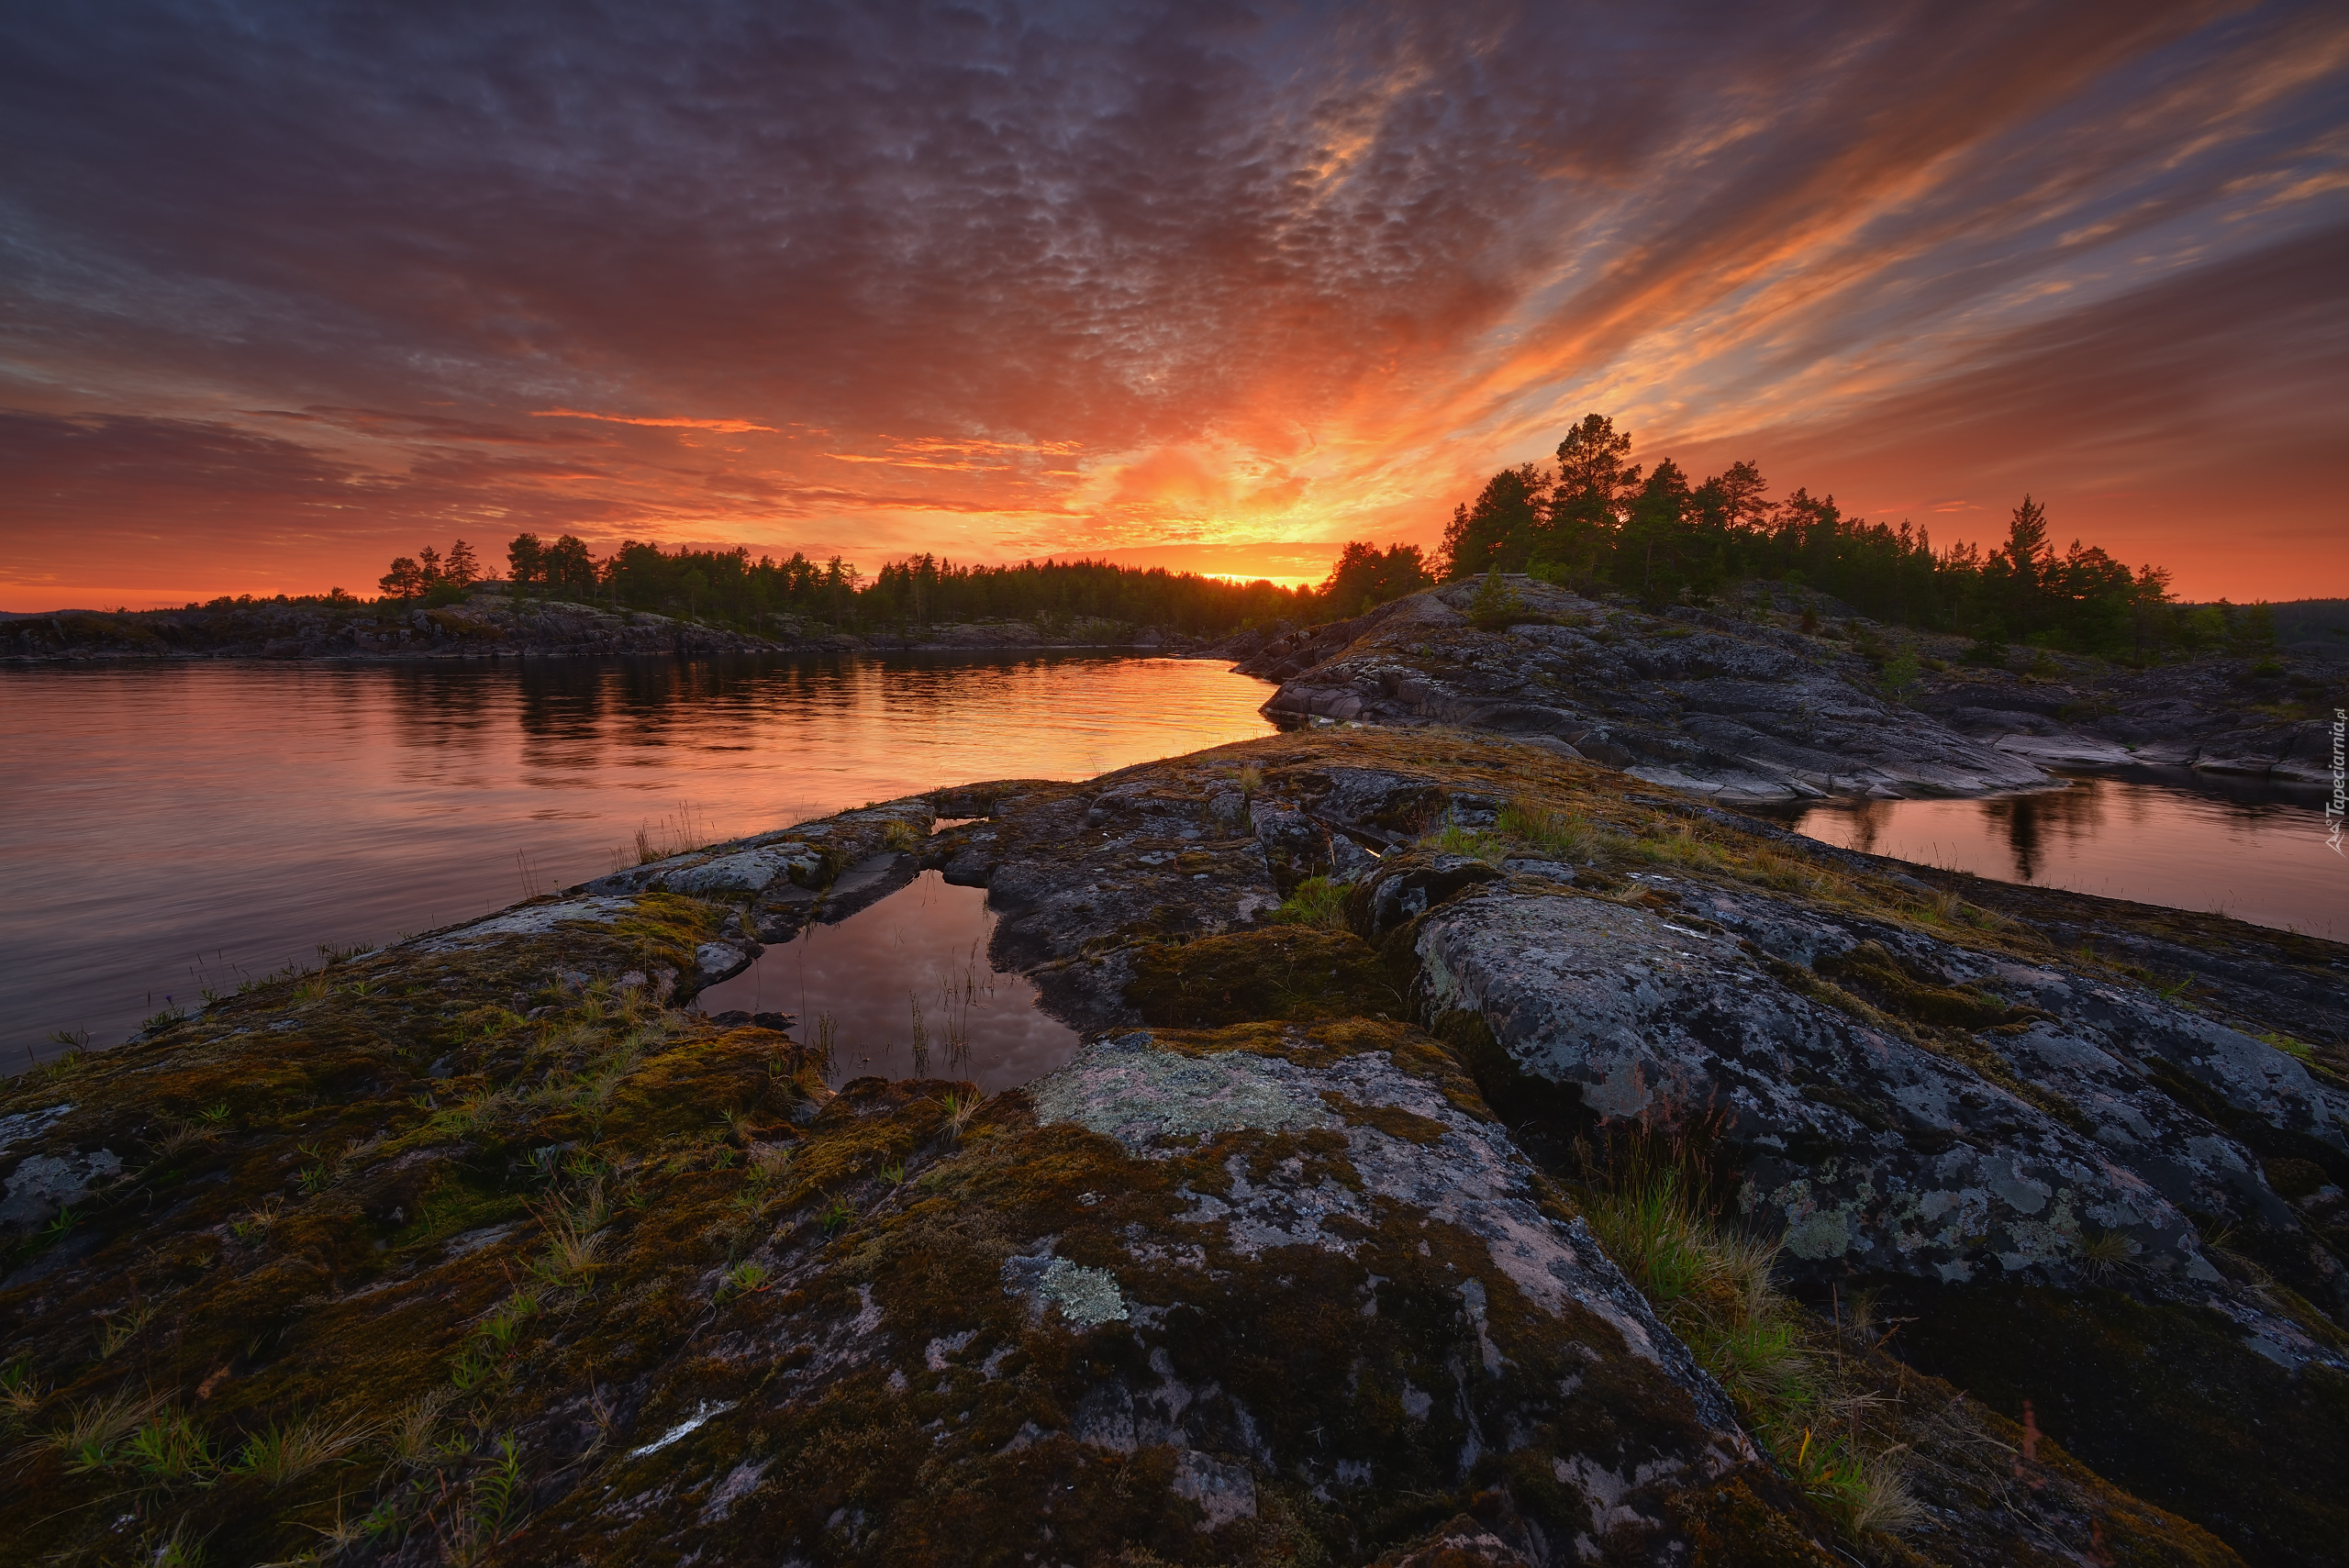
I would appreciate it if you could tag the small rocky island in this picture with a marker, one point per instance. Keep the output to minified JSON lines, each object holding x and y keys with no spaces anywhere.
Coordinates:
{"x":1487,"y":1148}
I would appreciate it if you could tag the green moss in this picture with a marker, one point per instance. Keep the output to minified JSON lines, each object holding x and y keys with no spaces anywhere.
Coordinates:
{"x":1283,"y":974}
{"x":1896,"y":987}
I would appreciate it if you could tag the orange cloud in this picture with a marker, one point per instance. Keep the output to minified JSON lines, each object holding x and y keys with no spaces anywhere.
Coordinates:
{"x":727,"y":426}
{"x":1123,"y":279}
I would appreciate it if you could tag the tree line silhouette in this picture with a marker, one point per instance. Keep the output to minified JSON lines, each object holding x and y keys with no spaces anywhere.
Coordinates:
{"x":728,"y":587}
{"x":1595,"y":523}
{"x":1601,"y":522}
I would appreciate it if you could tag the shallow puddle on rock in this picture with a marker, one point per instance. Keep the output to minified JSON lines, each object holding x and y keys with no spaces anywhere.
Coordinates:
{"x":910,"y":993}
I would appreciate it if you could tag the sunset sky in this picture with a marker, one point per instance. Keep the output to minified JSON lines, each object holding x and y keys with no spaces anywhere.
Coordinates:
{"x":286,"y":289}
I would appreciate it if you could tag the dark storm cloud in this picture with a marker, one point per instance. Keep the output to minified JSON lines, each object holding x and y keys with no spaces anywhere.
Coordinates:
{"x":1182,"y":271}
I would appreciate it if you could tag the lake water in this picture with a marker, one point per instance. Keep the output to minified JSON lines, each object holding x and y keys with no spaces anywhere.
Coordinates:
{"x":2170,"y":836}
{"x":166,"y":829}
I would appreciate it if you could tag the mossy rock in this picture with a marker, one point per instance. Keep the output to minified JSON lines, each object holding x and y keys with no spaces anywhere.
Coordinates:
{"x":1281,"y":974}
{"x":1303,"y":1303}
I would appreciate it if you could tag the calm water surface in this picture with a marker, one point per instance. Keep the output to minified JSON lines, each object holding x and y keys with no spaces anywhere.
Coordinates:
{"x":2170,"y":836}
{"x":166,"y":829}
{"x":904,"y":989}
{"x":163,"y":831}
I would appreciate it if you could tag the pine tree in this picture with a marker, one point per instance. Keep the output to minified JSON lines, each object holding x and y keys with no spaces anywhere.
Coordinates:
{"x":525,"y":561}
{"x":404,"y":581}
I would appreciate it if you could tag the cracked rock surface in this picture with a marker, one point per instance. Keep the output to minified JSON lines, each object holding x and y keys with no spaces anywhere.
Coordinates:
{"x":1285,"y":1265}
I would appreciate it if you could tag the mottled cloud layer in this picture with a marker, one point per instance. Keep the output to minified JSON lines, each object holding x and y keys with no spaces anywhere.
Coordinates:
{"x":285,"y":288}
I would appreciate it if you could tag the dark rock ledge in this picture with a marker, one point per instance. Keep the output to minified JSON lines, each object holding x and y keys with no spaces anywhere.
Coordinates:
{"x":486,"y":1247}
{"x":1739,"y":703}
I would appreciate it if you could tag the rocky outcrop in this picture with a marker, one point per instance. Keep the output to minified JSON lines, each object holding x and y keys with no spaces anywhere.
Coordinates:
{"x":486,"y":1246}
{"x":1911,"y":1082}
{"x":477,"y":1246}
{"x":777,"y":883}
{"x":1739,"y":710}
{"x":1741,"y":704}
{"x":2266,"y":719}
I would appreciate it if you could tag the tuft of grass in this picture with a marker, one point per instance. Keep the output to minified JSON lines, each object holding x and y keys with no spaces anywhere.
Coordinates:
{"x":1678,"y":844}
{"x":94,"y":1425}
{"x":502,"y":1330}
{"x":1651,"y":1202}
{"x":1942,"y":908}
{"x":902,"y":838}
{"x":960,"y":1110}
{"x":413,"y":1436}
{"x":1451,"y":839}
{"x":169,"y":1449}
{"x":574,"y":1238}
{"x":20,"y":1394}
{"x":1317,"y":902}
{"x":178,"y":1549}
{"x":1251,"y":781}
{"x":118,"y":1328}
{"x":284,"y":1451}
{"x":1773,"y":867}
{"x":178,"y":1137}
{"x":257,"y":1221}
{"x":2107,"y":1252}
{"x":1554,"y":834}
{"x":675,"y":836}
{"x":745,"y":1278}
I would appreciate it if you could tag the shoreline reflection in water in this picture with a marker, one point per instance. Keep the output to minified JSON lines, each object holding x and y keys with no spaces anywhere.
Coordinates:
{"x":2169,"y":837}
{"x":174,"y":827}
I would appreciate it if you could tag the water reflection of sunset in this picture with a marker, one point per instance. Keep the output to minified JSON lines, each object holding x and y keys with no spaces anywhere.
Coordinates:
{"x":2238,"y":848}
{"x":348,"y":805}
{"x":290,"y":298}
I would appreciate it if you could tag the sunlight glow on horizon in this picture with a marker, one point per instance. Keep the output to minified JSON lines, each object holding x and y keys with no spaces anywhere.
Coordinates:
{"x":1363,"y":264}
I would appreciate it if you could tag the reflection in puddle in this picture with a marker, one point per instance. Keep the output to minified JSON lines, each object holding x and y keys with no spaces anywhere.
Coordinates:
{"x":2253,"y":851}
{"x":905,"y":990}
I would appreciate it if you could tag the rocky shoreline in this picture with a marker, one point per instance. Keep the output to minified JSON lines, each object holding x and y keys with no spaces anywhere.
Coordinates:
{"x":492,"y":626}
{"x":1743,"y":706}
{"x":1476,"y":1156}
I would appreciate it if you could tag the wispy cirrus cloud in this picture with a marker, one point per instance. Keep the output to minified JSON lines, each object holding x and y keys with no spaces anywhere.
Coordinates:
{"x":1142,"y":276}
{"x":657,"y":422}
